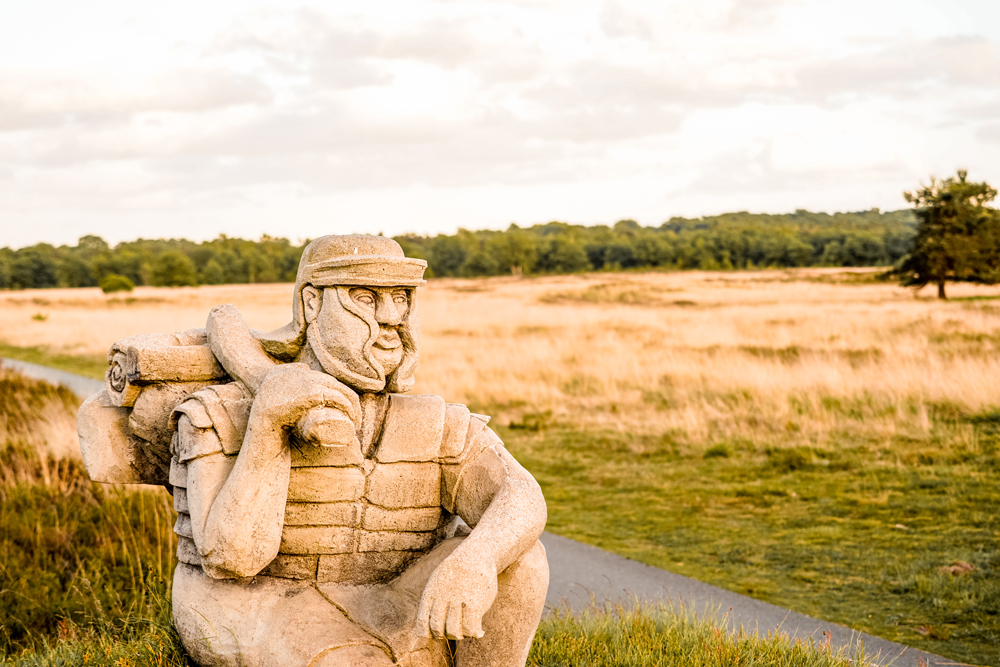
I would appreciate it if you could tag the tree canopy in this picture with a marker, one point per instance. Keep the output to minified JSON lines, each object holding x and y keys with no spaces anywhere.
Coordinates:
{"x":731,"y":241}
{"x":957,"y":235}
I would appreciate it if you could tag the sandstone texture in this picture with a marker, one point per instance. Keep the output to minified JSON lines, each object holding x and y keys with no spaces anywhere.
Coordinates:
{"x":324,"y":516}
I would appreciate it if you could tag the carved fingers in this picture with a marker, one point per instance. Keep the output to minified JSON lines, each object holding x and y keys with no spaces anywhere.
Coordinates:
{"x":290,"y":391}
{"x":450,"y":619}
{"x":457,"y":597}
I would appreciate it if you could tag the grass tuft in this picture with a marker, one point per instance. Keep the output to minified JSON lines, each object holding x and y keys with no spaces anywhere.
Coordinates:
{"x":668,"y":636}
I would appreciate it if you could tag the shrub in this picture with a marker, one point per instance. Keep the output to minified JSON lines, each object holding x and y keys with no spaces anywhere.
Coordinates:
{"x":116,"y":283}
{"x":719,"y":451}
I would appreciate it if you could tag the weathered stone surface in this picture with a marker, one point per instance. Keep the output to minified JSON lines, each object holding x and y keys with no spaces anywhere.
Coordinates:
{"x":412,"y":430}
{"x":325,"y":485}
{"x":111,"y":452}
{"x":316,"y":503}
{"x":292,"y":567}
{"x":187,"y":552}
{"x":412,"y":519}
{"x":183,"y":526}
{"x":180,"y":499}
{"x":363,"y":568}
{"x":150,"y":416}
{"x":311,"y":456}
{"x":178,"y":473}
{"x":396,"y":541}
{"x":396,"y":485}
{"x":303,"y":540}
{"x":172,"y":363}
{"x":321,"y":514}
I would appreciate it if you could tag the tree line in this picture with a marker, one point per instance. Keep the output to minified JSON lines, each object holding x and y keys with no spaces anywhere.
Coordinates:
{"x":730,"y":241}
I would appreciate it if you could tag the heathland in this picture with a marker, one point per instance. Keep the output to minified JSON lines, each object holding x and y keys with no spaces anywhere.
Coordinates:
{"x":815,"y":438}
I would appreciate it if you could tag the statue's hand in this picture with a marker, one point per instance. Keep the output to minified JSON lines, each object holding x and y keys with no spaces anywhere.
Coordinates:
{"x":290,"y":391}
{"x":458,"y":594}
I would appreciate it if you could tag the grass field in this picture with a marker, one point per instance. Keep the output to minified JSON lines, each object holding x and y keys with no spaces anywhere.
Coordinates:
{"x":814,"y":438}
{"x":85,"y":574}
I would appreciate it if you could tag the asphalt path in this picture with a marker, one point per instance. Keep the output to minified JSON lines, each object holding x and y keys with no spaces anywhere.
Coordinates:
{"x":79,"y":385}
{"x":582,"y":575}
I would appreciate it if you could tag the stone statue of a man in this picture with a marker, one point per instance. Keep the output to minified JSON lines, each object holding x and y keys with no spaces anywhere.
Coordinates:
{"x":318,"y":506}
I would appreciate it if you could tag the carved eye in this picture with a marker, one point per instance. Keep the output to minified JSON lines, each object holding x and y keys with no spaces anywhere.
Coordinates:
{"x":363,"y":297}
{"x":400,"y":298}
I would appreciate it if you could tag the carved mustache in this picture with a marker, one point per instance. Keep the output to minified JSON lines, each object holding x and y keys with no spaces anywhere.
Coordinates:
{"x":388,"y":339}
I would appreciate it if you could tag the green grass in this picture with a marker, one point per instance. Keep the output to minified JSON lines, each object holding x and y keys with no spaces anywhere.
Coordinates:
{"x":664,"y":636}
{"x":92,"y":366}
{"x":134,"y":641}
{"x":85,"y":575}
{"x":857,"y":533}
{"x":72,"y":550}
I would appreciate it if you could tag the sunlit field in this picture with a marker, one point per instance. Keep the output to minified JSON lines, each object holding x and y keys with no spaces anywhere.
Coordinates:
{"x":815,"y":438}
{"x":709,"y":354}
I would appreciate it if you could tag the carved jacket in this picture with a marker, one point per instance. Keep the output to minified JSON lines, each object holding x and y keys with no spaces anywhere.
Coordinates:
{"x":357,"y":513}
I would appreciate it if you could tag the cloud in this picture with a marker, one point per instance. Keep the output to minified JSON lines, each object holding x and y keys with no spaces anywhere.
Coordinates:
{"x":496,"y":94}
{"x":53,"y":100}
{"x":989,"y":133}
{"x":905,"y":69}
{"x":617,"y":21}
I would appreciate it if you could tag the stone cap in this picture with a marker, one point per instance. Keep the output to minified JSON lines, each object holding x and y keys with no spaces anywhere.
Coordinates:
{"x":361,"y":260}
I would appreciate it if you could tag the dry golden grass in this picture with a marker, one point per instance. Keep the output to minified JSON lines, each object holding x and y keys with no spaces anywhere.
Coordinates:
{"x":39,"y":417}
{"x":769,"y":356}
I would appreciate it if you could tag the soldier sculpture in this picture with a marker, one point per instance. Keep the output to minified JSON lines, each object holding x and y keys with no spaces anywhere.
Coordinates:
{"x":324,"y":517}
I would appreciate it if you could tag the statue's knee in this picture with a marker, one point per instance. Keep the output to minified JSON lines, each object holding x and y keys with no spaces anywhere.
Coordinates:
{"x":534,"y":562}
{"x":529,"y":573}
{"x":363,"y":655}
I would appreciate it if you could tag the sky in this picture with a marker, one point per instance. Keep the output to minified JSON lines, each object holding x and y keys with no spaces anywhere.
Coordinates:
{"x":194,"y":119}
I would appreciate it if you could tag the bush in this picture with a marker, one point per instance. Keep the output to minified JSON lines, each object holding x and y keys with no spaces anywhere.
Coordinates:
{"x":719,"y":451}
{"x":116,"y":283}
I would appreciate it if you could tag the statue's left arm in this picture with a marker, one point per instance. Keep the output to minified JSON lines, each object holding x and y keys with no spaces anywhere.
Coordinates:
{"x":504,"y":505}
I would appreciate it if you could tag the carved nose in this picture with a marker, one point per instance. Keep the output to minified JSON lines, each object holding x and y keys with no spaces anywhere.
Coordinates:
{"x":386,"y":312}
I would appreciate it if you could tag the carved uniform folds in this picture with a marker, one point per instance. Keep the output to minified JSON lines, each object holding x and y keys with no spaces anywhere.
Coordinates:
{"x":351,"y":521}
{"x":348,"y":518}
{"x":318,"y":507}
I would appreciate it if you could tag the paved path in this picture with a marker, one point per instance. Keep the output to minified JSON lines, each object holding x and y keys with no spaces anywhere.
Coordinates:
{"x":580,"y":573}
{"x":79,"y":385}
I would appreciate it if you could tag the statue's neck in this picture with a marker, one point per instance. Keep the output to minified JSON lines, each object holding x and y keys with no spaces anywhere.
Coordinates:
{"x":308,"y":357}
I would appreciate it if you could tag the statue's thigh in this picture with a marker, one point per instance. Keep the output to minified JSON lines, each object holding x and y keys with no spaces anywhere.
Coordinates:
{"x":268,"y":622}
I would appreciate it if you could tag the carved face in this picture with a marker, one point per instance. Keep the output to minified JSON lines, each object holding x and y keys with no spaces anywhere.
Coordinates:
{"x":359,"y":334}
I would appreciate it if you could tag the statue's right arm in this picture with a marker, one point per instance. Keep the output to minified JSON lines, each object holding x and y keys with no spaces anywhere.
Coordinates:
{"x":237,"y":504}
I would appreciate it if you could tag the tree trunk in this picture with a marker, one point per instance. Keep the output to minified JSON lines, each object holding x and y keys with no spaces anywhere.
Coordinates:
{"x":941,"y":294}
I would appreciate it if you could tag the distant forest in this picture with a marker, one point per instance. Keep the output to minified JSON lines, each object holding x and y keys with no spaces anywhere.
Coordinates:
{"x":730,"y":241}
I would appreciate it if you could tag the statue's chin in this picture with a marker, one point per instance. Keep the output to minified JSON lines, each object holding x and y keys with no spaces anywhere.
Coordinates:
{"x":389,"y":360}
{"x":332,"y":365}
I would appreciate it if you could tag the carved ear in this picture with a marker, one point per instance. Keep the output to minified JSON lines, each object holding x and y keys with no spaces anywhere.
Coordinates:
{"x":311,"y":303}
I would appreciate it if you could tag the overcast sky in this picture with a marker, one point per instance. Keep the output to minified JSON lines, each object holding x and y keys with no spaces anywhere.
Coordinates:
{"x":194,"y":118}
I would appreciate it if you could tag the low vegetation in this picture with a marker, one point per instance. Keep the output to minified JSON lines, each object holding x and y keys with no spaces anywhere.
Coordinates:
{"x":897,"y":539}
{"x":71,"y":550}
{"x":665,"y":636}
{"x":86,"y":570}
{"x":817,"y":438}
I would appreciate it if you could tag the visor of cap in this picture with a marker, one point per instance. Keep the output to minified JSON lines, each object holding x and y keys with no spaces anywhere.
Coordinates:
{"x":369,"y":270}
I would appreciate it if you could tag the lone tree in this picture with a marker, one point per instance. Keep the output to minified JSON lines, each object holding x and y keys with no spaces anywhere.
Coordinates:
{"x":958,"y":235}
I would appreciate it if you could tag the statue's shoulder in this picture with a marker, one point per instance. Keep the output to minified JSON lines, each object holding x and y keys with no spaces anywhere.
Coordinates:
{"x":425,"y":428}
